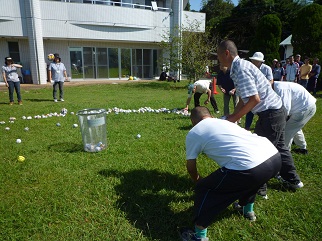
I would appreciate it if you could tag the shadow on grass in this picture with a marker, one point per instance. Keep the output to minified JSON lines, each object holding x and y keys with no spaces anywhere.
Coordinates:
{"x":146,"y":196}
{"x":156,"y":85}
{"x":40,"y":100}
{"x":66,"y":147}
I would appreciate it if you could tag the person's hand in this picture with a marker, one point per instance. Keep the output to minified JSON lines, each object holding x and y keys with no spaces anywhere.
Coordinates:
{"x":7,"y":84}
{"x":223,"y":90}
{"x":206,"y":102}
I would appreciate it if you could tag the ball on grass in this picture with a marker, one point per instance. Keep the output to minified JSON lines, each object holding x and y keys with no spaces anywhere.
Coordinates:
{"x":18,"y":141}
{"x":21,"y":158}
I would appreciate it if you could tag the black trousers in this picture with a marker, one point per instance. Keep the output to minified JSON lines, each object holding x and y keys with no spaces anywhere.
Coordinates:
{"x":213,"y":102}
{"x":217,"y":191}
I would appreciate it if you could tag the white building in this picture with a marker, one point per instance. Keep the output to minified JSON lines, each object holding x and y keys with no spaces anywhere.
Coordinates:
{"x":288,"y":48}
{"x":98,"y":39}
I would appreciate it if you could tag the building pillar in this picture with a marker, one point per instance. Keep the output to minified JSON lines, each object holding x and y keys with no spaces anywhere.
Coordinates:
{"x":36,"y":46}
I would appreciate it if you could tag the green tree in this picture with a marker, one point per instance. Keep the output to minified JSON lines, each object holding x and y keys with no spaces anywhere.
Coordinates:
{"x":245,"y":17}
{"x":307,"y":31}
{"x":216,"y":11}
{"x":267,"y":37}
{"x":188,"y":51}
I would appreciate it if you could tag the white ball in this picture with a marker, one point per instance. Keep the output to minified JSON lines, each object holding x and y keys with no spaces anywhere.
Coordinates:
{"x":138,"y":136}
{"x":75,"y":125}
{"x":58,"y":124}
{"x":18,"y":141}
{"x":7,"y":128}
{"x":26,"y":128}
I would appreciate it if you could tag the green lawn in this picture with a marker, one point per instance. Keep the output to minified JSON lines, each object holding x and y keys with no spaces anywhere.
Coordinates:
{"x":136,"y":189}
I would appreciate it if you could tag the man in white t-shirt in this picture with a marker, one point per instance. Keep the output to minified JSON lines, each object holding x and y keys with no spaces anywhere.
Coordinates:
{"x":246,"y":162}
{"x":300,"y":106}
{"x":197,"y":89}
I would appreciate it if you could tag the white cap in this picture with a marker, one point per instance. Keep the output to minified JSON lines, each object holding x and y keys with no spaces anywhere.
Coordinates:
{"x":259,"y":56}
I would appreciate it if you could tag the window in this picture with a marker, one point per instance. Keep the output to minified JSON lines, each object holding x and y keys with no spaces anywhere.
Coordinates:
{"x":14,"y":51}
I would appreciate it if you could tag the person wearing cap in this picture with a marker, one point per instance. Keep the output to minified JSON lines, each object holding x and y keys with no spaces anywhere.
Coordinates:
{"x":298,"y":60}
{"x":11,"y":78}
{"x":257,"y":95}
{"x":57,"y":74}
{"x":197,"y":89}
{"x":305,"y":70}
{"x":291,"y":70}
{"x":258,"y":60}
{"x":278,"y":71}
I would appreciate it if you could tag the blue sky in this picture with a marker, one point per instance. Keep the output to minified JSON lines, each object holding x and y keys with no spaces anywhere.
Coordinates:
{"x":196,"y":4}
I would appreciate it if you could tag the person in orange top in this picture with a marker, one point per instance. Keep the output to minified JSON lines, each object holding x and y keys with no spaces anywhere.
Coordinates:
{"x":305,"y":69}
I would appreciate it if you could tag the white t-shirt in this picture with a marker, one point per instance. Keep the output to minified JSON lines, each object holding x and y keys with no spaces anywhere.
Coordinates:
{"x":228,"y":144}
{"x":202,"y":86}
{"x":294,"y":96}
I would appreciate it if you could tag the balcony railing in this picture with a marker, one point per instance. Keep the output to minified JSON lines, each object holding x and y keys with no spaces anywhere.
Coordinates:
{"x":116,"y":3}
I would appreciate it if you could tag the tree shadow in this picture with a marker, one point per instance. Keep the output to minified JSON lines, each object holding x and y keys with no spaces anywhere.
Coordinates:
{"x":149,"y":197}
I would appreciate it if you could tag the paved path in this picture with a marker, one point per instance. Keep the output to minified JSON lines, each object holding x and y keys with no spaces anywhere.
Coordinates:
{"x":75,"y":83}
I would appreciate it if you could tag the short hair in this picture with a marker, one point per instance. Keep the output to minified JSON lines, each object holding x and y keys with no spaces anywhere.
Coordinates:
{"x":198,"y":113}
{"x":228,"y":45}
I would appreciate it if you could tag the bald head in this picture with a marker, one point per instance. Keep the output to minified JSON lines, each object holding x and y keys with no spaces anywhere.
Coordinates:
{"x":198,"y":114}
{"x":228,"y":45}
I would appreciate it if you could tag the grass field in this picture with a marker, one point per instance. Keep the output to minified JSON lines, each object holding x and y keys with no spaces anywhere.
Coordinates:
{"x":137,"y":189}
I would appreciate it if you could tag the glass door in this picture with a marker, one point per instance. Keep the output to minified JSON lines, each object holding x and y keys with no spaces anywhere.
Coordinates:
{"x":76,"y":61}
{"x":89,"y":63}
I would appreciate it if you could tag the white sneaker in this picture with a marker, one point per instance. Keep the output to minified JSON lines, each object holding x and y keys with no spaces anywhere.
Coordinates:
{"x":296,"y":186}
{"x":55,"y":100}
{"x":62,"y":100}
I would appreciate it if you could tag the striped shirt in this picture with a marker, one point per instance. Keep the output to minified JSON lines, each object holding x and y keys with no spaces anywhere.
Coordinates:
{"x":250,"y":81}
{"x":267,"y":71}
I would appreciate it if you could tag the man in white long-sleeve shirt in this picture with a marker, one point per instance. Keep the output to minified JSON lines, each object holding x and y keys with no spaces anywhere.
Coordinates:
{"x":300,"y":106}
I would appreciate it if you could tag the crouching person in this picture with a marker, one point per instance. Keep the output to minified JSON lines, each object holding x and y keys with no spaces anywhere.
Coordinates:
{"x":246,"y":162}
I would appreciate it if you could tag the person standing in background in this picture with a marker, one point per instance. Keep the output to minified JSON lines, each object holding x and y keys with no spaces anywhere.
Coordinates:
{"x":278,"y":71}
{"x":11,"y":78}
{"x":226,"y":84}
{"x":305,"y":70}
{"x":291,"y":70}
{"x":58,"y":74}
{"x":314,"y":75}
{"x":258,"y":60}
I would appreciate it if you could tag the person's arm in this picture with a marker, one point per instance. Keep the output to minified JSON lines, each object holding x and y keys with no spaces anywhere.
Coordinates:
{"x":208,"y":96}
{"x":192,"y":170}
{"x":242,"y":109}
{"x":65,"y":74}
{"x":222,"y":89}
{"x":17,"y":65}
{"x":187,"y":103}
{"x":4,"y":78}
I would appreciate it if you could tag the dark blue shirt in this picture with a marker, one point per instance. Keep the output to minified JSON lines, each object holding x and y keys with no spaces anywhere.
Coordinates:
{"x":224,"y":80}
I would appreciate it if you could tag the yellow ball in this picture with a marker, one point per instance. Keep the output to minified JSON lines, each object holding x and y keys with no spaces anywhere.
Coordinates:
{"x":21,"y":158}
{"x":50,"y":57}
{"x":131,"y":78}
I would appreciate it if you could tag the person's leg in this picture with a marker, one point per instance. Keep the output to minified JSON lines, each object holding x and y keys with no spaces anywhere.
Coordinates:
{"x":299,"y":140}
{"x":249,"y":120}
{"x":212,"y":99}
{"x":61,"y":90}
{"x":17,"y":88}
{"x":314,"y":88}
{"x":11,"y":88}
{"x":196,"y":98}
{"x":226,"y":104}
{"x":271,"y":124}
{"x":55,"y":87}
